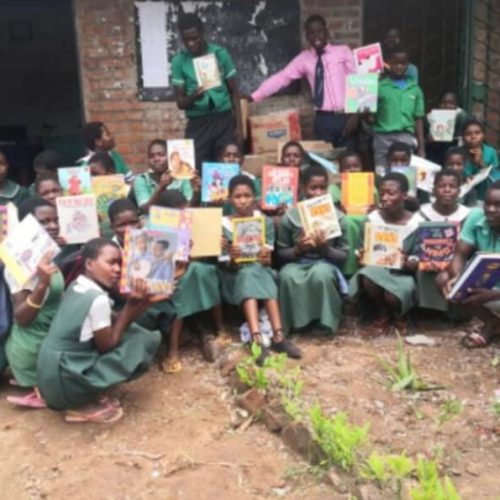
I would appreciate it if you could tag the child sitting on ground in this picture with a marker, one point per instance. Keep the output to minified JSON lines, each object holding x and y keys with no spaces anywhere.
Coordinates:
{"x":293,"y":155}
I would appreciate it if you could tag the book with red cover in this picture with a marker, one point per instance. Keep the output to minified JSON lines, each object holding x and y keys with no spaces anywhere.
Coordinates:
{"x":280,"y":185}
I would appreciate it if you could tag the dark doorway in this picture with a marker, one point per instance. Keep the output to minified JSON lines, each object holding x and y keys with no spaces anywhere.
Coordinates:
{"x":40,"y":98}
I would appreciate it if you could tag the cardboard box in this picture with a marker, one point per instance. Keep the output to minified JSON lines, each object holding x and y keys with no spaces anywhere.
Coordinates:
{"x":321,"y":147}
{"x":267,"y":130}
{"x":254,"y":163}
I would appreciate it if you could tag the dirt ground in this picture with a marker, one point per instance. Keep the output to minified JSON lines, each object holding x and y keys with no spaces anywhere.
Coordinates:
{"x":176,"y":440}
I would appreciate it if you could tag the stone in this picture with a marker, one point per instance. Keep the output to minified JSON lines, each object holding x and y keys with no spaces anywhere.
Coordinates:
{"x":298,"y":437}
{"x":370,"y":492}
{"x":332,"y":478}
{"x":236,"y":384}
{"x":274,"y":417}
{"x":229,"y":361}
{"x":420,"y":339}
{"x":252,"y":401}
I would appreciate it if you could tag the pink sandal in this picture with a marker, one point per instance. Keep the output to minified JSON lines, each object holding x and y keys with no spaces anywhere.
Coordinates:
{"x":108,"y":414}
{"x":30,"y":400}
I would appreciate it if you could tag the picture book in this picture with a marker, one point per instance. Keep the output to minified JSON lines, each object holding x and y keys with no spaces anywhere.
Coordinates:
{"x":436,"y":245}
{"x":482,"y":272}
{"x":369,"y":59}
{"x":108,"y":188}
{"x":361,"y":93}
{"x":149,"y":255}
{"x":75,"y":180}
{"x":426,"y":171}
{"x":8,"y":219}
{"x":171,"y":219}
{"x":181,"y":158}
{"x":358,"y":191}
{"x":471,"y":183}
{"x":206,"y":232}
{"x":215,"y":180}
{"x":411,"y":174}
{"x":249,"y":236}
{"x":280,"y":186}
{"x":442,"y":124}
{"x":319,"y":214}
{"x":78,"y":218}
{"x":24,"y":247}
{"x":207,"y":71}
{"x":383,"y":244}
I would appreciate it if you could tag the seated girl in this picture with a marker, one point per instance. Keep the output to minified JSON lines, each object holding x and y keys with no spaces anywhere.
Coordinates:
{"x":35,"y":305}
{"x":247,"y":284}
{"x":89,"y":349}
{"x":46,"y":162}
{"x":10,"y":192}
{"x":310,"y":281}
{"x":390,"y":292}
{"x":47,"y":187}
{"x":101,"y":164}
{"x":293,"y":155}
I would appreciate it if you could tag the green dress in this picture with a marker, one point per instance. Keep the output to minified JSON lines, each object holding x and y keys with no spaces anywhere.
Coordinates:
{"x":24,"y":342}
{"x":73,"y":373}
{"x":394,"y":281}
{"x":251,"y":280}
{"x":11,"y":192}
{"x":309,"y":288}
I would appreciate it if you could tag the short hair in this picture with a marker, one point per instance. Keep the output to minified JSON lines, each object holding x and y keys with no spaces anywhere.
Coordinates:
{"x":91,"y":132}
{"x":171,"y":198}
{"x":105,"y":160}
{"x":157,"y":142}
{"x":46,"y":176}
{"x":93,"y":248}
{"x":241,"y":180}
{"x":456,"y":150}
{"x":399,"y":147}
{"x":231,"y":144}
{"x":49,"y":159}
{"x":447,"y":172}
{"x":315,"y":18}
{"x":398,"y":49}
{"x":314,"y":170}
{"x":398,"y":178}
{"x":189,"y":21}
{"x":119,"y":206}
{"x":470,"y":122}
{"x":164,"y":243}
{"x":294,"y":144}
{"x":448,"y":92}
{"x":347,"y":154}
{"x":30,"y":205}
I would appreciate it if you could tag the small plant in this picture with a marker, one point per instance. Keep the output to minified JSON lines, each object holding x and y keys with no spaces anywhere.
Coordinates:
{"x":375,"y":469}
{"x":337,"y":437}
{"x":251,"y":374}
{"x":290,"y":392}
{"x":450,"y":408}
{"x":430,"y":485}
{"x":495,"y":403}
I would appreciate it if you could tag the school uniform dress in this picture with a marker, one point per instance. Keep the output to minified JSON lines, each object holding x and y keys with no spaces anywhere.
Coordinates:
{"x":71,"y":372}
{"x":394,"y":281}
{"x":490,"y":158}
{"x":251,"y":280}
{"x":24,"y":342}
{"x":211,"y":122}
{"x":310,"y":288}
{"x":11,"y":192}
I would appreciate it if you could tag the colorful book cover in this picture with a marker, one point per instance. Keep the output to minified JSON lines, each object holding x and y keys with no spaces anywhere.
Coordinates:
{"x":410,"y":173}
{"x":249,"y":235}
{"x":215,"y":180}
{"x":75,"y":180}
{"x":24,"y":247}
{"x":361,"y":93}
{"x":206,"y":232}
{"x":358,"y":192}
{"x":280,"y":186}
{"x":426,"y":171}
{"x":78,"y":218}
{"x":369,"y":59}
{"x":181,"y":158}
{"x":319,"y":214}
{"x":9,"y":219}
{"x":482,"y":272}
{"x":442,"y":124}
{"x":149,"y":255}
{"x":108,"y":188}
{"x":207,"y":71}
{"x":383,"y":244}
{"x":436,"y":245}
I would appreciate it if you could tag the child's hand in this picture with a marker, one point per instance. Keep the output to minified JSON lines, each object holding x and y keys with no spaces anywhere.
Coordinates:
{"x":476,"y":155}
{"x":198,"y":92}
{"x":60,"y":241}
{"x":196,"y":182}
{"x":234,"y":253}
{"x":224,"y":244}
{"x":281,"y":209}
{"x":319,"y":238}
{"x":410,"y":262}
{"x":360,"y":254}
{"x":46,"y":268}
{"x":304,"y":245}
{"x":217,"y":203}
{"x":265,"y":256}
{"x":165,"y":179}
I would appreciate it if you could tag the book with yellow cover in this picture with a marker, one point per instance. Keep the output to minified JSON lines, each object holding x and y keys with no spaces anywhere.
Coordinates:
{"x":383,"y":244}
{"x":358,"y":192}
{"x":319,"y":214}
{"x":207,"y":71}
{"x":108,"y":188}
{"x":206,"y":232}
{"x":249,"y":235}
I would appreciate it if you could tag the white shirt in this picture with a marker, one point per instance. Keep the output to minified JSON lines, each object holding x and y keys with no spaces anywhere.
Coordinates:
{"x":459,"y":215}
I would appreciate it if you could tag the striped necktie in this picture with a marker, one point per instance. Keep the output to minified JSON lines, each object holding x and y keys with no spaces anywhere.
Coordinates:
{"x":319,"y":81}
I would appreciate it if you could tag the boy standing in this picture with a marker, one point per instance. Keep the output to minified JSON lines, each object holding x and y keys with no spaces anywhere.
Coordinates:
{"x":214,"y":117}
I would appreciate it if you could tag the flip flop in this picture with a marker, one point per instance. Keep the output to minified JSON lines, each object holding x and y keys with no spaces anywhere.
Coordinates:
{"x":13,"y":382}
{"x":173,"y":366}
{"x":106,"y":415}
{"x":474,"y":340}
{"x":110,"y":400}
{"x":30,"y":400}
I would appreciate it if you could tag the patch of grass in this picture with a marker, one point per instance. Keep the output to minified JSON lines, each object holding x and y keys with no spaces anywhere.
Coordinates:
{"x":450,"y":408}
{"x":430,"y":485}
{"x":495,"y":404}
{"x":375,"y":469}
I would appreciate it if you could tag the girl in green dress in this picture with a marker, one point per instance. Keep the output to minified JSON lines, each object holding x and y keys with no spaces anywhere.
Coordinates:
{"x":35,"y":305}
{"x":10,"y":192}
{"x":292,"y":155}
{"x":47,"y":186}
{"x":90,"y":350}
{"x":392,"y":293}
{"x":310,"y":281}
{"x":247,"y":284}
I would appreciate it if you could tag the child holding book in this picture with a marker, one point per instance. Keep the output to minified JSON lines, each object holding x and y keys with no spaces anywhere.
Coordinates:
{"x":310,"y":280}
{"x":247,"y":284}
{"x":47,"y":187}
{"x":101,"y":164}
{"x":293,"y":154}
{"x":149,"y":186}
{"x":480,"y":233}
{"x":10,"y":191}
{"x":390,"y":291}
{"x":88,"y":349}
{"x":35,"y":305}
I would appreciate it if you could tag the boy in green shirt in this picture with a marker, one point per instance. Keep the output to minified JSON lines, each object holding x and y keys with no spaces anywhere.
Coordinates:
{"x":214,"y":117}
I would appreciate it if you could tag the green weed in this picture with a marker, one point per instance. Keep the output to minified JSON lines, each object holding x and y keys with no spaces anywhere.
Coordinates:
{"x":375,"y":469}
{"x":430,"y":485}
{"x":450,"y":408}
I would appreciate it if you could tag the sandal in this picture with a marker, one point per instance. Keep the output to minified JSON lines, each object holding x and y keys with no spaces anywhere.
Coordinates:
{"x":108,"y":414}
{"x":30,"y":400}
{"x":474,"y":340}
{"x":173,"y":366}
{"x":290,"y":349}
{"x":224,"y":337}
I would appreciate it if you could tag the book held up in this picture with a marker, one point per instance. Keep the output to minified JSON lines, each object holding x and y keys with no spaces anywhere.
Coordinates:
{"x":319,"y":214}
{"x":369,"y":59}
{"x":436,"y":245}
{"x":108,"y":188}
{"x":75,"y":180}
{"x":280,"y":186}
{"x":78,"y":218}
{"x":249,"y":237}
{"x":215,"y":180}
{"x":358,"y":192}
{"x":361,"y":93}
{"x":181,"y":158}
{"x":207,"y":71}
{"x":383,"y":245}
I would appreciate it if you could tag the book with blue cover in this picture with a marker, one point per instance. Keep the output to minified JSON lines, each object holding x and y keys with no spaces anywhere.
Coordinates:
{"x":215,"y":180}
{"x":75,"y":180}
{"x":436,"y":245}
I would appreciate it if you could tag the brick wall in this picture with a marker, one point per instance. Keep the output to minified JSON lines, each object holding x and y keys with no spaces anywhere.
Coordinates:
{"x":106,"y":46}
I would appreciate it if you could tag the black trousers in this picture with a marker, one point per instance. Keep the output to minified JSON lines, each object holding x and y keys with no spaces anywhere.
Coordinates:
{"x":329,"y":127}
{"x":211,"y":133}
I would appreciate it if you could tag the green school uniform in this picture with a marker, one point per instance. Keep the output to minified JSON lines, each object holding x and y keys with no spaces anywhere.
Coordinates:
{"x":24,"y":342}
{"x":397,"y":283}
{"x":227,"y":208}
{"x":490,"y":158}
{"x":144,"y":186}
{"x":251,"y":280}
{"x":121,"y":166}
{"x":477,"y":233}
{"x":12,"y":192}
{"x":309,"y":287}
{"x":72,"y":373}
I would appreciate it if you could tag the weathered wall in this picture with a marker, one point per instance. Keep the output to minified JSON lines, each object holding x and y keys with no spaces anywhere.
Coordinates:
{"x":106,"y":41}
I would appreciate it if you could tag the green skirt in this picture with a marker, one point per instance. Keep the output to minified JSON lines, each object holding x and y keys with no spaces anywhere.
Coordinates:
{"x":429,"y":295}
{"x":309,"y":293}
{"x":159,"y":316}
{"x":353,"y":225}
{"x":251,"y":281}
{"x":400,"y":285}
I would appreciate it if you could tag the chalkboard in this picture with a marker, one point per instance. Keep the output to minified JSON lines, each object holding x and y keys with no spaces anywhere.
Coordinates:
{"x":262,"y":36}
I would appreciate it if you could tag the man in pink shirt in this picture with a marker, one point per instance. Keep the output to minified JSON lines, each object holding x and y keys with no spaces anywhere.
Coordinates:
{"x":325,"y":66}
